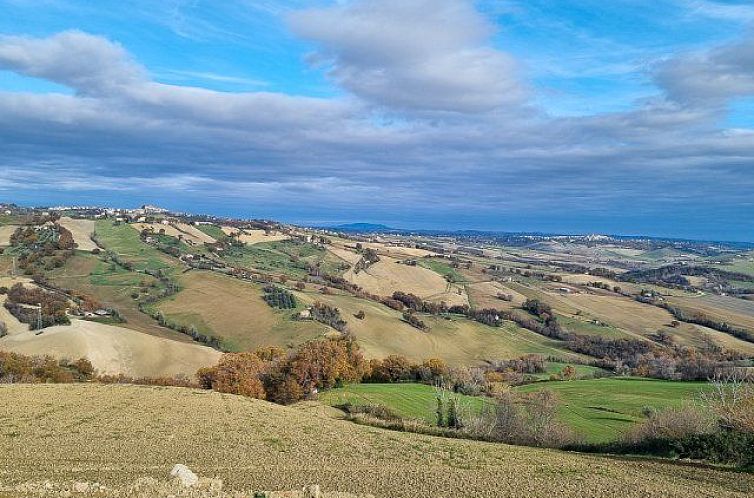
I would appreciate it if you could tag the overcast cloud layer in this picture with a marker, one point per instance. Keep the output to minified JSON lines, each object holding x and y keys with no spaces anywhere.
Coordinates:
{"x":430,"y":123}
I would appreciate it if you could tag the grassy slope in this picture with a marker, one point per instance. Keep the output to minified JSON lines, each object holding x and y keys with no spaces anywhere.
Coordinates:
{"x":407,"y":400}
{"x":112,"y":286}
{"x":234,"y":311}
{"x":275,"y":258}
{"x":458,"y":341}
{"x":124,"y":240}
{"x":441,"y":267}
{"x":115,"y":434}
{"x":600,"y":409}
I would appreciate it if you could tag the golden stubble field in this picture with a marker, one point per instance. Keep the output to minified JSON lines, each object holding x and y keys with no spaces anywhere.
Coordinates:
{"x":390,"y":275}
{"x":82,"y":231}
{"x":116,"y":434}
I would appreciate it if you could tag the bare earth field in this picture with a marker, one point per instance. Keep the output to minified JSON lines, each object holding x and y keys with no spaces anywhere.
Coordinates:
{"x":112,"y":350}
{"x":5,"y":232}
{"x":116,"y":434}
{"x":82,"y":231}
{"x":388,"y":275}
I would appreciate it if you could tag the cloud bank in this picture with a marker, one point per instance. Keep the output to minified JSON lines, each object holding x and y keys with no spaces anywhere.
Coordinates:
{"x":434,"y":127}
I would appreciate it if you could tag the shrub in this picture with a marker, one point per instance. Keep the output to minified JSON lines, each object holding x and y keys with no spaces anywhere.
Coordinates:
{"x":672,"y":423}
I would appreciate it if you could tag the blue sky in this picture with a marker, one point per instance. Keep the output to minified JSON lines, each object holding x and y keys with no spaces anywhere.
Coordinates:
{"x":575,"y":116}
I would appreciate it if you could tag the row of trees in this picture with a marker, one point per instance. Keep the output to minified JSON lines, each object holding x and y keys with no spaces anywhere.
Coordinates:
{"x":22,"y":303}
{"x":20,"y":368}
{"x":278,"y":297}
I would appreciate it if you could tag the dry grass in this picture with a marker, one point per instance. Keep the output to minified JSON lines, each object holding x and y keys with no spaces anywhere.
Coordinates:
{"x":234,"y":311}
{"x":114,"y":435}
{"x":194,"y":233}
{"x":113,"y":350}
{"x":149,"y":488}
{"x":82,"y":231}
{"x":738,"y":312}
{"x":252,"y":237}
{"x":5,"y":232}
{"x":484,"y":295}
{"x":189,"y":233}
{"x":388,"y":275}
{"x":457,"y":341}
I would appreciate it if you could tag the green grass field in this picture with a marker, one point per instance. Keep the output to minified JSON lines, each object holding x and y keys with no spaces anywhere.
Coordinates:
{"x":601,"y":409}
{"x":213,"y":231}
{"x":442,"y":268}
{"x":284,"y":257}
{"x":409,"y":400}
{"x":597,"y":409}
{"x":124,"y":240}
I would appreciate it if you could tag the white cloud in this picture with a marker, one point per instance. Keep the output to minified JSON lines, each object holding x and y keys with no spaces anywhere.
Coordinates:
{"x":427,"y":55}
{"x":87,"y":63}
{"x":711,"y":77}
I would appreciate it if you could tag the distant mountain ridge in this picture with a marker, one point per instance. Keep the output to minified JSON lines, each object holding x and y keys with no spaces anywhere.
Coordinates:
{"x":363,"y":227}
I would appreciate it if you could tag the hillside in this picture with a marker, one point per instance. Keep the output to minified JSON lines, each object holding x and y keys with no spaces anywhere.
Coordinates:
{"x":116,"y":434}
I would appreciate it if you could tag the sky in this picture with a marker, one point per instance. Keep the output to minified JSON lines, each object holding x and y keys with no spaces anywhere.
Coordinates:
{"x":574,"y":116}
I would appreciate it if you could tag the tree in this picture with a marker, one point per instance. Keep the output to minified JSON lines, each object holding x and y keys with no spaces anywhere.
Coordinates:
{"x":236,"y":373}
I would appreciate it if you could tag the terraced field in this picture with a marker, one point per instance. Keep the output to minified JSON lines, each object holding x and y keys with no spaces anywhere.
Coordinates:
{"x":116,"y":434}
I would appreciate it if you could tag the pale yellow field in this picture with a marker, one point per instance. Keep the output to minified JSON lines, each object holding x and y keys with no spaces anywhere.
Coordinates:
{"x":728,"y":309}
{"x":398,"y":252}
{"x":194,"y":233}
{"x":346,"y":255}
{"x":458,"y":341}
{"x":484,"y":295}
{"x":5,"y":232}
{"x":113,"y":349}
{"x":116,"y":434}
{"x":81,"y":230}
{"x":252,"y":237}
{"x":190,"y":234}
{"x":388,"y":275}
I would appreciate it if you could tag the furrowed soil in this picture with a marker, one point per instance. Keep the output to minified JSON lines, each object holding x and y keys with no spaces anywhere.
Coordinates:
{"x":116,"y":434}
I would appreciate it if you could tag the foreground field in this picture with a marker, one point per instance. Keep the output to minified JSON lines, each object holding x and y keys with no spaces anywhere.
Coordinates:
{"x":115,"y":434}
